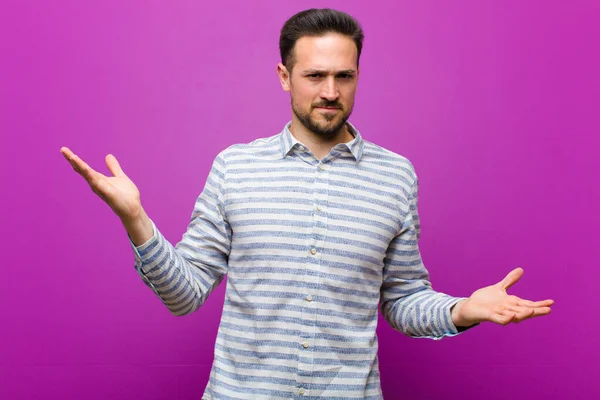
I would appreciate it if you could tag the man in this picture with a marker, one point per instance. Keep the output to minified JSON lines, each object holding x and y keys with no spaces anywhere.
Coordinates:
{"x":315,"y":228}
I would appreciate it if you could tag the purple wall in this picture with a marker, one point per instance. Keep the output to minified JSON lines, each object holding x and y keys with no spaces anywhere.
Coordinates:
{"x":502,"y":95}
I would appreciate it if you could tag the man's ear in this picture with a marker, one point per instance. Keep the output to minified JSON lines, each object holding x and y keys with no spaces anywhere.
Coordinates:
{"x":284,"y":77}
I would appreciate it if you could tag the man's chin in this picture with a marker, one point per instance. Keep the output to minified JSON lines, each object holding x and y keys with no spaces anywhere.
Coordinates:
{"x":327,"y":119}
{"x":330,"y":128}
{"x":318,"y":123}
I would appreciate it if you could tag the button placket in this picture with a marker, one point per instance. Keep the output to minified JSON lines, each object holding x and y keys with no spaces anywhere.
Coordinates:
{"x":315,"y":244}
{"x":319,"y":198}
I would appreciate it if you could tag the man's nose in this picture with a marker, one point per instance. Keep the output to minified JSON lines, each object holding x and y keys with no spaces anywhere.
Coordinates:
{"x":329,"y":90}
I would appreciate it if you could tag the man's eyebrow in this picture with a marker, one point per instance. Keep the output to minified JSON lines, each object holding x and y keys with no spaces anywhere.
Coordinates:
{"x":323,"y":71}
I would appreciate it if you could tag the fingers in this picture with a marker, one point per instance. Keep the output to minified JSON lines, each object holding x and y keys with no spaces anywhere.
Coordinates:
{"x":528,"y":303}
{"x":85,"y":170}
{"x":107,"y":188}
{"x":95,"y":179}
{"x":518,"y":314}
{"x":521,"y":314}
{"x":531,"y":313}
{"x":503,"y":318}
{"x":68,"y":154}
{"x":113,"y":165}
{"x":78,"y":164}
{"x":517,"y":301}
{"x":507,"y":316}
{"x":512,"y":278}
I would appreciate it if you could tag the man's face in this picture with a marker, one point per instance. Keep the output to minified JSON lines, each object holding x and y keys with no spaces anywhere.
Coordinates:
{"x":323,"y":82}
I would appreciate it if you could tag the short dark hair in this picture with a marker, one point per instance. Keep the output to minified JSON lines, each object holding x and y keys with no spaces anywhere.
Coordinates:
{"x":316,"y":22}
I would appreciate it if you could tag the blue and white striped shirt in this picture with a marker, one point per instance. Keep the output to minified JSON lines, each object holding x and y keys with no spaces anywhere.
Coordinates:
{"x":311,"y":248}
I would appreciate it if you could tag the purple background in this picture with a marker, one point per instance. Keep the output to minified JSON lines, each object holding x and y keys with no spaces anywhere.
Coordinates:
{"x":494,"y":102}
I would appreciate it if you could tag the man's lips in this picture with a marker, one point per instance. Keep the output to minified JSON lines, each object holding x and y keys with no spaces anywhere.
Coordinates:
{"x":328,"y":109}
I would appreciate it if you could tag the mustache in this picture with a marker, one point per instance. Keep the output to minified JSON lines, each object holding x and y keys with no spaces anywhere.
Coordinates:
{"x":334,"y":104}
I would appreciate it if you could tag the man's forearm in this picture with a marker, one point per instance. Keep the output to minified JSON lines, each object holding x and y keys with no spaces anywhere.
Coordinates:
{"x":139,"y":230}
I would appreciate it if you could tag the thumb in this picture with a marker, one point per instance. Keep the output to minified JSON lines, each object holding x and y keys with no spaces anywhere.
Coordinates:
{"x":512,"y":278}
{"x":113,"y":165}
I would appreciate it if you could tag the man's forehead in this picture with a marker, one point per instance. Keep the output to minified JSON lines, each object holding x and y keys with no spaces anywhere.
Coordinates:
{"x":329,"y":52}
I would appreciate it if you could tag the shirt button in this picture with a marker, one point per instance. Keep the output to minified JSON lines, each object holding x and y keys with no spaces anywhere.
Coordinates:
{"x":319,"y":208}
{"x":301,"y":391}
{"x":321,"y":168}
{"x":309,"y":298}
{"x":305,"y":345}
{"x":313,"y":251}
{"x":301,"y":148}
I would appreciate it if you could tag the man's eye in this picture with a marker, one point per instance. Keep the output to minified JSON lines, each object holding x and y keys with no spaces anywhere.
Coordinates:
{"x":345,"y":76}
{"x":314,"y":75}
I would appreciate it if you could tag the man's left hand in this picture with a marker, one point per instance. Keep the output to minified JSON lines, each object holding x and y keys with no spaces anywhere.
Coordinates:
{"x":494,"y":304}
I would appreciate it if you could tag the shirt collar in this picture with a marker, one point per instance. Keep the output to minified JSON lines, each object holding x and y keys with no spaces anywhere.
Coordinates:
{"x":289,"y":141}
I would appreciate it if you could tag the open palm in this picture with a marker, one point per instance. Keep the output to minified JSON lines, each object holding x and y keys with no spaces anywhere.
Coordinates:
{"x":118,"y":191}
{"x":494,"y":304}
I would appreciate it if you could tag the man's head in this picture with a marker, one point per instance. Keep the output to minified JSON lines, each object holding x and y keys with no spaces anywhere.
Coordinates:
{"x":320,"y":51}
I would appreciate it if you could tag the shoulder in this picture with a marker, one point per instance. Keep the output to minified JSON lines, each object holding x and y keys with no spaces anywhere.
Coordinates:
{"x":386,"y":158}
{"x":258,"y":147}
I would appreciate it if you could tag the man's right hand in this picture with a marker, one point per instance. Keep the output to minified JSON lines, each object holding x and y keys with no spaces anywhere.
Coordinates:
{"x":119,"y":192}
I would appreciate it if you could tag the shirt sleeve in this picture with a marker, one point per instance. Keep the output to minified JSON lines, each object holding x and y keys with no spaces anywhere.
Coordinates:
{"x":182,"y":276}
{"x":408,"y":302}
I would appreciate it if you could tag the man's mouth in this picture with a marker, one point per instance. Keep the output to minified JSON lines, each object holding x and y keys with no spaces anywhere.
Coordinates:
{"x":328,"y":109}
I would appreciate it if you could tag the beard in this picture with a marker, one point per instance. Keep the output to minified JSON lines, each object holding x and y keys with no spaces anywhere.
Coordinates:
{"x":330,"y":127}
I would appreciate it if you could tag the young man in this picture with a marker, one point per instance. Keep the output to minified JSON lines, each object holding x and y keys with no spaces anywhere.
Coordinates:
{"x":315,"y":228}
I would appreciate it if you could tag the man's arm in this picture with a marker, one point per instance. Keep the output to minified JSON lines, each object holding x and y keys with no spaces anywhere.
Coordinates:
{"x":182,"y":276}
{"x":411,"y":306}
{"x":139,"y":230}
{"x":408,"y":302}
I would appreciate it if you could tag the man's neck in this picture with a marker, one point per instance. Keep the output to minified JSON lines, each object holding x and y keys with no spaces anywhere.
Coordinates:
{"x":318,"y":145}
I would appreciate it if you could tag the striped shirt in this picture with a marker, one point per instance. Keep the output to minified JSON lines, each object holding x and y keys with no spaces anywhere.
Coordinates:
{"x":311,"y":249}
